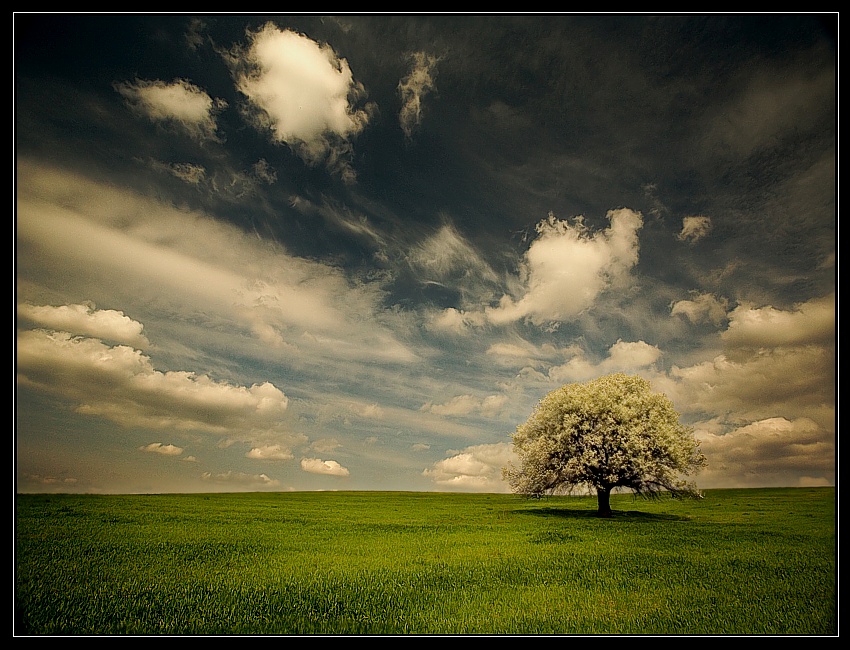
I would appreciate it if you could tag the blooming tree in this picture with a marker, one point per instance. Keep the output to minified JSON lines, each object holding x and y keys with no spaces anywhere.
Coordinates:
{"x":607,"y":433}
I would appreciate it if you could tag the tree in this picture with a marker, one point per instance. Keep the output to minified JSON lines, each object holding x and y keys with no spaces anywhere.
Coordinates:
{"x":607,"y":433}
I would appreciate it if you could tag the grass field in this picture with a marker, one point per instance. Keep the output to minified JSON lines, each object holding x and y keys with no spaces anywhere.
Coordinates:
{"x":737,"y":562}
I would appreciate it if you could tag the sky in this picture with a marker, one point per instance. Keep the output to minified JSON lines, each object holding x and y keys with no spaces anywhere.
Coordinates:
{"x":314,"y":252}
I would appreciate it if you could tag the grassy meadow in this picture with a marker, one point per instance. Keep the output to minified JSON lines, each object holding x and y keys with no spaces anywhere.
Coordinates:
{"x":754,"y":562}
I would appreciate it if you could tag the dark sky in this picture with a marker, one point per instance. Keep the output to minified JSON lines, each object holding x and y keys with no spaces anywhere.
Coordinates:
{"x":352,"y":252}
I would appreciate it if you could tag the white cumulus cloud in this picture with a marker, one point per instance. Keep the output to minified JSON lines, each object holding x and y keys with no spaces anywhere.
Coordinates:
{"x":806,"y":323}
{"x":106,"y":324}
{"x":270,"y":452}
{"x":623,"y":356}
{"x":120,"y":383}
{"x":165,"y":450}
{"x":769,"y":452}
{"x":461,"y":405}
{"x":319,"y":466}
{"x":476,"y":468}
{"x":567,"y":266}
{"x":301,"y":92}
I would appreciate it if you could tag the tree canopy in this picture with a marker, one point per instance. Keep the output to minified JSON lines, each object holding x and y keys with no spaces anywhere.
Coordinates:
{"x":608,"y":433}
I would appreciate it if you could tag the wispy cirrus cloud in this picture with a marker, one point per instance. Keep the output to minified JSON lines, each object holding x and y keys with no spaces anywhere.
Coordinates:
{"x":701,"y":307}
{"x":413,"y":89}
{"x":694,"y":229}
{"x":198,"y":264}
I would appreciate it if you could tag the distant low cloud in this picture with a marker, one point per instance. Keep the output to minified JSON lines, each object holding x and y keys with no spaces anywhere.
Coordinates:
{"x":319,"y":466}
{"x":241,"y":481}
{"x":87,"y":320}
{"x":180,"y":103}
{"x":567,"y":266}
{"x":302,"y":93}
{"x":165,"y":450}
{"x":463,"y":405}
{"x":769,"y":452}
{"x":370,"y":411}
{"x":120,"y":384}
{"x":476,"y":469}
{"x":325,"y":445}
{"x":694,"y":228}
{"x":775,"y":363}
{"x":270,"y":452}
{"x":413,"y":89}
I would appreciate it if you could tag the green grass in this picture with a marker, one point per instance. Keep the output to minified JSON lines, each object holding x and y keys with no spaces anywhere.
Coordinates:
{"x":737,"y":562}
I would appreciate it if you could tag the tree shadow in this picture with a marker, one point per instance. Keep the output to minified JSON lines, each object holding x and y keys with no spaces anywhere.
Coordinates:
{"x":622,"y":515}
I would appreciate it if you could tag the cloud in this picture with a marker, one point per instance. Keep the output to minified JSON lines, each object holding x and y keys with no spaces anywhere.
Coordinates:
{"x":87,"y":320}
{"x":413,"y":89}
{"x":195,"y":33}
{"x":302,"y":93}
{"x":769,"y":106}
{"x":775,"y":363}
{"x":703,"y":307}
{"x":52,"y":480}
{"x":270,"y":452}
{"x":694,"y":228}
{"x":223,"y":182}
{"x":319,"y":466}
{"x":812,"y":322}
{"x":455,"y":321}
{"x":325,"y":445}
{"x":94,"y":235}
{"x":476,"y":468}
{"x":165,"y":450}
{"x":446,"y":256}
{"x":187,"y":172}
{"x":120,"y":384}
{"x":369,"y":411}
{"x":340,"y":217}
{"x":462,"y":405}
{"x":180,"y":102}
{"x":240,"y":480}
{"x":567,"y":267}
{"x":520,"y":351}
{"x":623,"y":356}
{"x":769,"y":452}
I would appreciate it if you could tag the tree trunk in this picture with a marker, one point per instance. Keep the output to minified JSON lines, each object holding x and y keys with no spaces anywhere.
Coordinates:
{"x":603,"y":498}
